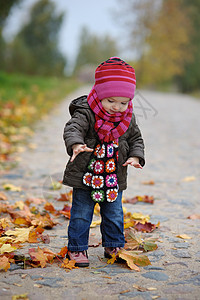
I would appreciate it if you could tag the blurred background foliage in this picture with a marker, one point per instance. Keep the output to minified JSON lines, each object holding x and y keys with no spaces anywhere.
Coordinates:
{"x":163,"y":41}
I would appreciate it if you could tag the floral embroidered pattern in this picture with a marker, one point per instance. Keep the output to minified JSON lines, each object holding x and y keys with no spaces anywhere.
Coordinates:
{"x":110,"y":150}
{"x":91,"y":164}
{"x":87,"y":179}
{"x":97,"y":196}
{"x":111,"y":195}
{"x":97,"y":182}
{"x":99,"y":167}
{"x":110,"y":166}
{"x":111,"y":180}
{"x":101,"y":152}
{"x":115,"y":144}
{"x":101,"y":173}
{"x":96,"y":150}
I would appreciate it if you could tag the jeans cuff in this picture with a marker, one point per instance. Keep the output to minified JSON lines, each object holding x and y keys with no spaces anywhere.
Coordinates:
{"x":77,"y":248}
{"x":113,"y":245}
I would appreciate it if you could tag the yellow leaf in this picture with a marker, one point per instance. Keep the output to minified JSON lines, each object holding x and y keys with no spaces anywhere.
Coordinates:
{"x":11,"y":187}
{"x":20,"y":297}
{"x":22,"y":234}
{"x":184,"y":236}
{"x":139,"y":216}
{"x":112,"y":259}
{"x":95,"y":223}
{"x":69,"y":264}
{"x":189,"y":178}
{"x":19,"y":204}
{"x":7,"y":248}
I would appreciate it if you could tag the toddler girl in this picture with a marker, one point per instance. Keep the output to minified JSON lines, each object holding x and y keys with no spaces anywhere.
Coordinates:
{"x":102,"y":139}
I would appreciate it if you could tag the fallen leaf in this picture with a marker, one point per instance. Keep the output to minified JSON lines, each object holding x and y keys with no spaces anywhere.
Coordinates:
{"x":69,"y":264}
{"x":66,"y":211}
{"x":139,"y":216}
{"x":20,"y":297}
{"x":49,"y":207}
{"x":19,"y":204}
{"x":37,"y":285}
{"x":150,"y":182}
{"x":63,"y":251}
{"x":11,"y":187}
{"x":95,"y":223}
{"x":4,"y":263}
{"x":194,"y":217}
{"x":145,"y":198}
{"x":134,"y":260}
{"x":189,"y":178}
{"x":21,"y":234}
{"x":43,"y":221}
{"x":3,"y":196}
{"x":183,"y":236}
{"x":146,"y":227}
{"x":7,"y":248}
{"x":139,"y":288}
{"x":34,"y":201}
{"x":125,"y":291}
{"x":41,"y":256}
{"x":65,"y":197}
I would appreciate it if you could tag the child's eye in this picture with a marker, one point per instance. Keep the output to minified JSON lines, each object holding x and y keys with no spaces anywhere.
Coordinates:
{"x":110,"y":101}
{"x":124,"y":103}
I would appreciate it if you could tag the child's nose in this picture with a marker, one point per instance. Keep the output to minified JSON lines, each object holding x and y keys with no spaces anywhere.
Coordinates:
{"x":116,"y":106}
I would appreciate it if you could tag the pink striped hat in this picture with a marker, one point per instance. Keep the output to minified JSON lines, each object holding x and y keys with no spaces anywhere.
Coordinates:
{"x":115,"y":78}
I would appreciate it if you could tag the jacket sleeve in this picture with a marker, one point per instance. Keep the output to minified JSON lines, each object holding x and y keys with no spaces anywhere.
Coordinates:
{"x":76,"y":129}
{"x":136,"y":143}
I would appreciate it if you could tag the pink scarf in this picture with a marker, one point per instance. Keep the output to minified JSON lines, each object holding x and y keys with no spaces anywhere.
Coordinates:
{"x":104,"y":126}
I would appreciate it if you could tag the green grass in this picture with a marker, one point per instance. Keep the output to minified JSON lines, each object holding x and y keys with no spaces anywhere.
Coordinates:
{"x":23,"y":101}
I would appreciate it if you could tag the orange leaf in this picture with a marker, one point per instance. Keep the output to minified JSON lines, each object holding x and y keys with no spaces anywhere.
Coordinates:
{"x":49,"y":207}
{"x":4,"y":263}
{"x":194,"y":217}
{"x":66,"y":197}
{"x":63,"y":251}
{"x":3,"y":196}
{"x":69,"y":264}
{"x":66,"y":211}
{"x":43,"y":221}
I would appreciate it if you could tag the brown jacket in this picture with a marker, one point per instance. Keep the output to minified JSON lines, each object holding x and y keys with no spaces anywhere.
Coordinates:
{"x":80,"y":130}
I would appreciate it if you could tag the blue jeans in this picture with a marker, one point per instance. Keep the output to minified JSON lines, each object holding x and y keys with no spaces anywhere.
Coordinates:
{"x":112,"y":223}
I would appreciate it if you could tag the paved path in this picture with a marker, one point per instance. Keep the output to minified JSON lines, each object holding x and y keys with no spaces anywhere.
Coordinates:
{"x":170,"y":124}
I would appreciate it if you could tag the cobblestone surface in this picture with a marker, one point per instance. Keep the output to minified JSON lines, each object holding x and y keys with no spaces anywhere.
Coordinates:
{"x":170,"y":125}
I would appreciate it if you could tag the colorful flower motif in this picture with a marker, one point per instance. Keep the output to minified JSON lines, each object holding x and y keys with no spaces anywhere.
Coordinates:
{"x":110,"y":166}
{"x":115,"y":144}
{"x":97,"y":196}
{"x":87,"y":179}
{"x":101,"y":152}
{"x":91,"y":164}
{"x":110,"y":150}
{"x":96,"y":150}
{"x":111,"y":195}
{"x":97,"y":182}
{"x":111,"y":180}
{"x":99,"y":167}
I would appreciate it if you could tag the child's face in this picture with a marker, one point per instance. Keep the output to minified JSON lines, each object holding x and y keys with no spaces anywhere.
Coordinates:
{"x":115,"y":104}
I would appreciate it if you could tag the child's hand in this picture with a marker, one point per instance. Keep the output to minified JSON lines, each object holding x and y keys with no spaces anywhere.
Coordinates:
{"x":133,"y":161}
{"x":77,"y":148}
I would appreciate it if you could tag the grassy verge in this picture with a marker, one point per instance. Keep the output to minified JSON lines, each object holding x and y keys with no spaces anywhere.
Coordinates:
{"x":23,"y":101}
